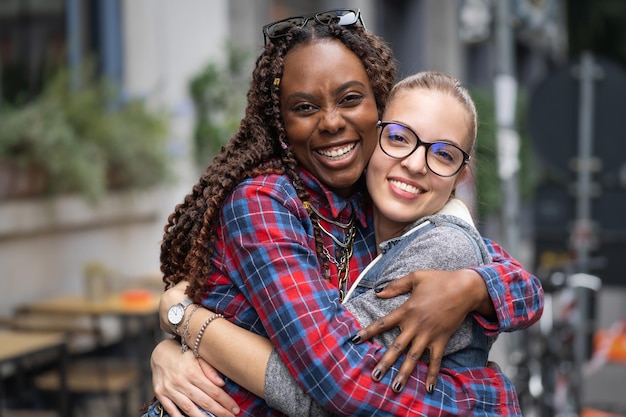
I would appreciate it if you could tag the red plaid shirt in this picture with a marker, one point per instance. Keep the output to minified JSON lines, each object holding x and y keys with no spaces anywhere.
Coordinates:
{"x":267,"y":278}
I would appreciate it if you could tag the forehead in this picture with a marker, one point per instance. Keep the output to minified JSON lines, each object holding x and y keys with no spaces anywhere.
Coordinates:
{"x":325,"y":61}
{"x":434,"y":115}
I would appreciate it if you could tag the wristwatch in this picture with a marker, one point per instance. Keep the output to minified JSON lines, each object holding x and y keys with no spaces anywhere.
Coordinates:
{"x":176,"y":313}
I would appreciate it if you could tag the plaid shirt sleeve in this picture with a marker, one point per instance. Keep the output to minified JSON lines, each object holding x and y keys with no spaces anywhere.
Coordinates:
{"x":268,"y":237}
{"x":516,"y":294}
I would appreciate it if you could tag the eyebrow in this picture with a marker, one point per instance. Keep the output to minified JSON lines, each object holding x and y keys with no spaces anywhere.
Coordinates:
{"x":337,"y":90}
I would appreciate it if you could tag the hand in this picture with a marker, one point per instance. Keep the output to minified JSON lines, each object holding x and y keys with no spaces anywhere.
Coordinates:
{"x":183,"y":383}
{"x":439,"y":303}
{"x":173,"y":295}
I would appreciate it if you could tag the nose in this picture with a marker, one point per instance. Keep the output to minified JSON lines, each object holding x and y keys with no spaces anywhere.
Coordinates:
{"x":416,"y":162}
{"x":332,"y":121}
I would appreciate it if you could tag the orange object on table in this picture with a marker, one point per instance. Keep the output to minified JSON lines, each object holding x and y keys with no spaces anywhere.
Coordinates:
{"x":589,"y":412}
{"x":137,"y":297}
{"x":611,"y":343}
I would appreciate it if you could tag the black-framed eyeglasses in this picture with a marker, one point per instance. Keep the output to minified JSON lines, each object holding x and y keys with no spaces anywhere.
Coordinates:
{"x":342,"y":17}
{"x":399,"y":141}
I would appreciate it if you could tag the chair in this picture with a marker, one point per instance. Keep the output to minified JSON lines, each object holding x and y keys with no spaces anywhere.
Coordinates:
{"x":95,"y":377}
{"x":91,"y":373}
{"x":31,"y":413}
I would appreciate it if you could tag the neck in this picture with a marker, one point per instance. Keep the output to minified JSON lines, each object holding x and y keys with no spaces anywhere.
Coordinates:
{"x":386,"y":229}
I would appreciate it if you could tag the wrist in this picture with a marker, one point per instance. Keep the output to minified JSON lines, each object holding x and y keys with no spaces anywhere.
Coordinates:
{"x":474,"y":285}
{"x":194,"y":324}
{"x":185,"y":333}
{"x":176,"y":315}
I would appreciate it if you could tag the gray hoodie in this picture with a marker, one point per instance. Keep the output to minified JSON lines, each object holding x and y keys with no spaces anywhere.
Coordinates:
{"x":447,"y":240}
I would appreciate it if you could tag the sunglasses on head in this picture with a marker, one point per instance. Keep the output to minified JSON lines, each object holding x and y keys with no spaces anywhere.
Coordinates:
{"x":342,"y":17}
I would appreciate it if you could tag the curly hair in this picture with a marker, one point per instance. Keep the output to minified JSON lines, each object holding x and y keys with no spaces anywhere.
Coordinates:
{"x":190,"y":233}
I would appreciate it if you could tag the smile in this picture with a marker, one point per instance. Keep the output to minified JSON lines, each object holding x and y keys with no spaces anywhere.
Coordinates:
{"x":337,"y":152}
{"x":406,"y":187}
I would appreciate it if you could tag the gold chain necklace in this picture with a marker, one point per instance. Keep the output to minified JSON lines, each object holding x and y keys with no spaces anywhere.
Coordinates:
{"x":344,"y":253}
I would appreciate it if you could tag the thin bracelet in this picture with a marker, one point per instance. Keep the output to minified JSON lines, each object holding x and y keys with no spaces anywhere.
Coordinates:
{"x":208,"y":321}
{"x":185,"y":334}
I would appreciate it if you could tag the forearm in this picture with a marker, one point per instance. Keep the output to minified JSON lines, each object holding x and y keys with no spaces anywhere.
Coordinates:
{"x":516,"y":295}
{"x":479,"y":299}
{"x":237,"y":353}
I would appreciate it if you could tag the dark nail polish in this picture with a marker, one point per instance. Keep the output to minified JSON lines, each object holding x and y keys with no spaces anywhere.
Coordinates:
{"x":430,"y":388}
{"x":356,"y":338}
{"x":397,"y":386}
{"x":379,"y":289}
{"x":377,"y":374}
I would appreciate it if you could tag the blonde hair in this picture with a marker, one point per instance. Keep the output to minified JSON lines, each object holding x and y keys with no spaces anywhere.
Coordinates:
{"x":444,"y":83}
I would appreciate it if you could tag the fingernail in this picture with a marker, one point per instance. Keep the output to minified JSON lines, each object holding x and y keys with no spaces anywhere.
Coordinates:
{"x":397,"y":387}
{"x":379,"y":289}
{"x":377,"y":374}
{"x":430,"y":388}
{"x":356,"y":338}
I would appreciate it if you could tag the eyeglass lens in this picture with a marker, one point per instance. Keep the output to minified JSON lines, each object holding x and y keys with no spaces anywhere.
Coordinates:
{"x":398,"y":141}
{"x":339,"y":17}
{"x":281,"y":28}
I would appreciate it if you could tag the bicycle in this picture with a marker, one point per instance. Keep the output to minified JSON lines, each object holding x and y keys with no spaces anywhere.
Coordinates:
{"x":550,"y":358}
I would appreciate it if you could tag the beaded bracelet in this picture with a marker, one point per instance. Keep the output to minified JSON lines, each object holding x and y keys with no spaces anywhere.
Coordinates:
{"x":208,"y":321}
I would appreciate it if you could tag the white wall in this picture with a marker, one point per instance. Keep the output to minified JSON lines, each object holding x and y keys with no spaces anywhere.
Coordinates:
{"x":45,"y":245}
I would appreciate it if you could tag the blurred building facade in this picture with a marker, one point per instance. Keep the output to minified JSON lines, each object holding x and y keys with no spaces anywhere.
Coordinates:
{"x":153,"y":48}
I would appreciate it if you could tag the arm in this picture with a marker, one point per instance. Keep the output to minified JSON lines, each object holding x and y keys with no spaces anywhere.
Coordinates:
{"x":238,"y":353}
{"x":310,"y":330}
{"x":515,"y":294}
{"x":183,"y":383}
{"x":313,"y":332}
{"x":440,"y":299}
{"x":241,"y":355}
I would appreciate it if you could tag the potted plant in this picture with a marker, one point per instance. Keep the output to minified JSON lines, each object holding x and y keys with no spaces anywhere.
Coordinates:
{"x":218,"y":93}
{"x":81,"y":141}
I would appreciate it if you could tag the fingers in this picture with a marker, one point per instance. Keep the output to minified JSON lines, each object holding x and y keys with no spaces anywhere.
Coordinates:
{"x":379,"y":326}
{"x":436,"y":355}
{"x":398,"y":286}
{"x":397,"y":348}
{"x":411,"y":359}
{"x":224,"y":401}
{"x":211,"y":373}
{"x":408,"y":366}
{"x":169,"y":406}
{"x":189,"y":400}
{"x":181,"y":384}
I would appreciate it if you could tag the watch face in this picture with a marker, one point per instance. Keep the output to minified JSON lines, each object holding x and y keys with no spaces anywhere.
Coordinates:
{"x":175,"y":314}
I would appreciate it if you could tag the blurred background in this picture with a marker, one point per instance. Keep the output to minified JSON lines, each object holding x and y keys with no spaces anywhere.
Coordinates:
{"x":110,"y":109}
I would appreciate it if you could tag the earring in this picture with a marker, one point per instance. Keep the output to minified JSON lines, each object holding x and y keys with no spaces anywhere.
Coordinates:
{"x":283,"y":145}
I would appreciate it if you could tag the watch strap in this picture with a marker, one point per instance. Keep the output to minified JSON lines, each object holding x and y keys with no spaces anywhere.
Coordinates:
{"x":185,"y":303}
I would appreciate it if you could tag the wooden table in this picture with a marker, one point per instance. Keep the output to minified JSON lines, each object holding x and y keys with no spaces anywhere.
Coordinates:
{"x":142,"y":306}
{"x":119,"y":304}
{"x":16,"y":346}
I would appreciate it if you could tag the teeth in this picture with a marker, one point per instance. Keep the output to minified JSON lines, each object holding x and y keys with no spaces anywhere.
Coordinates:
{"x":406,"y":187}
{"x":337,"y":152}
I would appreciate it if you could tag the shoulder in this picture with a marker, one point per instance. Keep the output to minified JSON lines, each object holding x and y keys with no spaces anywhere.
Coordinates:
{"x":267,"y":193}
{"x":266,"y":183}
{"x":272,"y":186}
{"x":449,"y":242}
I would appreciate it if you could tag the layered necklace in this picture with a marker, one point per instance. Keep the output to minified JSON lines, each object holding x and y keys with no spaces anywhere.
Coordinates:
{"x":341,"y":258}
